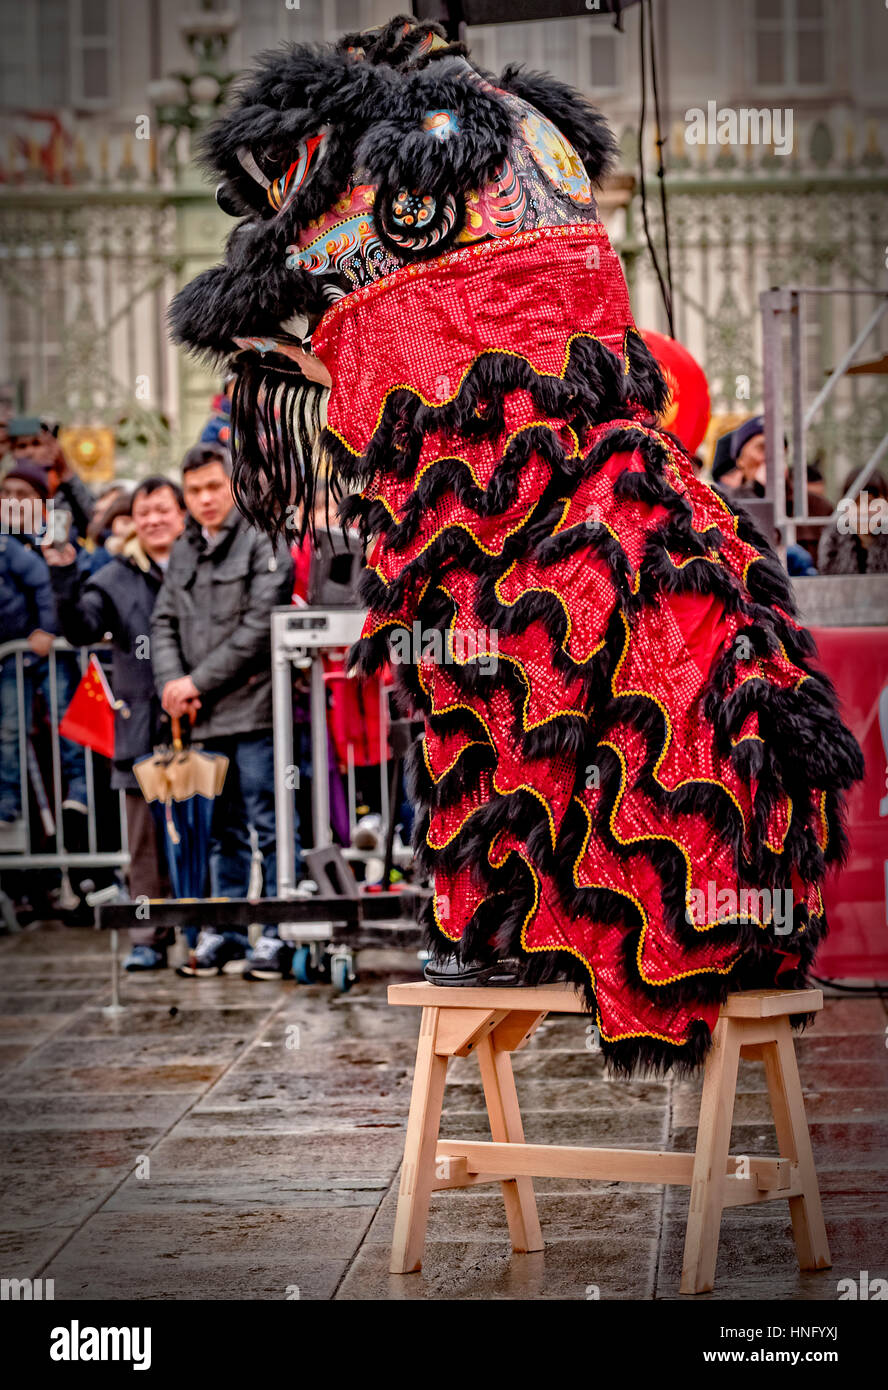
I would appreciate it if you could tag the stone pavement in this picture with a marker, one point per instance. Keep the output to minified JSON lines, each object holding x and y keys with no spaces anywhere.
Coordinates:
{"x":232,"y":1140}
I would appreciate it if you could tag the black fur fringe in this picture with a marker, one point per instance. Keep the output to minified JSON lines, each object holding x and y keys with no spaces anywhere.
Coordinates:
{"x":805,"y":743}
{"x":275,"y":426}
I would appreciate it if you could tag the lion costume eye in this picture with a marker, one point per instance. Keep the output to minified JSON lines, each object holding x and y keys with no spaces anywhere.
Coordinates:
{"x":284,"y":188}
{"x":264,"y":168}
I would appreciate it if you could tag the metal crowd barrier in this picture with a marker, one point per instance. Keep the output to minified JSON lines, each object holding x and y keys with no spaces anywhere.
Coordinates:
{"x":788,"y":305}
{"x":337,"y":919}
{"x":300,"y":636}
{"x":16,"y":849}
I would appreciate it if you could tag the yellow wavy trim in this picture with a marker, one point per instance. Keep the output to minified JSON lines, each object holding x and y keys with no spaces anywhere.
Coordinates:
{"x":472,"y":743}
{"x":572,"y":950}
{"x":458,"y":526}
{"x":685,"y":974}
{"x":778,"y":849}
{"x":689,"y":781}
{"x":637,"y":839}
{"x":486,"y":352}
{"x":539,"y":589}
{"x":458,"y":458}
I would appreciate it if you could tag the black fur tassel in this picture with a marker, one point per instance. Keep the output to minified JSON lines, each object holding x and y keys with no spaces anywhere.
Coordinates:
{"x":276,"y":421}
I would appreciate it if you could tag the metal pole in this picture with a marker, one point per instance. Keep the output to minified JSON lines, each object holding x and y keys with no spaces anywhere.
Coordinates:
{"x":797,"y":375}
{"x":284,"y":793}
{"x":124,"y":828}
{"x":89,"y":768}
{"x":103,"y":860}
{"x":320,"y":790}
{"x":773,"y":303}
{"x":839,"y":370}
{"x":115,"y":1007}
{"x":56,"y":751}
{"x":384,"y":806}
{"x":21,"y":675}
{"x":352,"y":791}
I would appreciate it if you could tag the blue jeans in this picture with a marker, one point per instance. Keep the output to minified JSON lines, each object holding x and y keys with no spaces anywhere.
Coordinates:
{"x":36,"y":677}
{"x":246,"y":801}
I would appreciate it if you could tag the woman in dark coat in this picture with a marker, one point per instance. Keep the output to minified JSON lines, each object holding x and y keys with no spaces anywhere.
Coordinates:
{"x":117,"y":601}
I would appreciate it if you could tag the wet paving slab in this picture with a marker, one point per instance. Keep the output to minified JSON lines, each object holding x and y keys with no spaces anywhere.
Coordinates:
{"x":167,"y":1022}
{"x":599,"y":1209}
{"x":64,"y":1113}
{"x":225,"y":1139}
{"x":335,"y":1090}
{"x":95,"y":1081}
{"x":148,"y":1051}
{"x":242,"y":1151}
{"x":213,"y":1251}
{"x":12,"y":1053}
{"x":588,"y":1268}
{"x":757,"y":1259}
{"x":248,"y":1193}
{"x":45,"y":1003}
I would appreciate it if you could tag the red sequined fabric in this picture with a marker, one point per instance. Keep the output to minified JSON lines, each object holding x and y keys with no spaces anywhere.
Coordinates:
{"x":620,"y":830}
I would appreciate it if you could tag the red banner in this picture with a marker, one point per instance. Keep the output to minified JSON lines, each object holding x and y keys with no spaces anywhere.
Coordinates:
{"x":856,"y":897}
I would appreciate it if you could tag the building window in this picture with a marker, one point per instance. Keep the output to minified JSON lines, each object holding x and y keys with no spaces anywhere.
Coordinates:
{"x":93,"y":39}
{"x":582,"y":52}
{"x":58,"y":53}
{"x":789,"y":43}
{"x":603,"y":75}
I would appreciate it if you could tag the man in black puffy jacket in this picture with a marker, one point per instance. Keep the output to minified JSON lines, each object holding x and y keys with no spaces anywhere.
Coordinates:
{"x":118,"y":601}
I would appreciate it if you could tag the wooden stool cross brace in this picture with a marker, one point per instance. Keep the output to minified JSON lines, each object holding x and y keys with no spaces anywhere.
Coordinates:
{"x":494,"y":1022}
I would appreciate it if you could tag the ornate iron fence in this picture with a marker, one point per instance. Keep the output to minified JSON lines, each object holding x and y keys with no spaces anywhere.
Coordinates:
{"x":92,"y":245}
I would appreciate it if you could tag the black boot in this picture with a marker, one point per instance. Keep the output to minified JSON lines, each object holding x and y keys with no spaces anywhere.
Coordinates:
{"x":503,"y":973}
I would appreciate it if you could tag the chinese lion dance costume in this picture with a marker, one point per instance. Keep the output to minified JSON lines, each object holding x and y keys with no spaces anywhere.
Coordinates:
{"x":627,"y":755}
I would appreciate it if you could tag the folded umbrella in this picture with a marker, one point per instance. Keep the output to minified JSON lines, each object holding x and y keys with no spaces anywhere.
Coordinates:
{"x":180,"y":784}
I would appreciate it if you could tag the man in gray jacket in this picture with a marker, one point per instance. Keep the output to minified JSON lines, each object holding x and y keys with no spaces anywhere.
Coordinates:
{"x":210,"y":650}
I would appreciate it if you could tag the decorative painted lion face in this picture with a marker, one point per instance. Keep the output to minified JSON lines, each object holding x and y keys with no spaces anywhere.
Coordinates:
{"x":344,"y":165}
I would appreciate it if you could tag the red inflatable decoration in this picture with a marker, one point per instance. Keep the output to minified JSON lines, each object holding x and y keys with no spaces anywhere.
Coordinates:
{"x":687,"y":413}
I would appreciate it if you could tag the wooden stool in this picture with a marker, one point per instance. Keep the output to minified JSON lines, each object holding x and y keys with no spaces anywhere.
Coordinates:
{"x":493,"y":1022}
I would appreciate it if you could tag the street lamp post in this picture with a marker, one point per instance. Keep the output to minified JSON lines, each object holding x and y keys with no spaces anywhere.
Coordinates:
{"x":188,"y":100}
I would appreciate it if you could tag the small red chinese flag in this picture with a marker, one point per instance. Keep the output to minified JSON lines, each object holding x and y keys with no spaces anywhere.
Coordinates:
{"x":89,"y":719}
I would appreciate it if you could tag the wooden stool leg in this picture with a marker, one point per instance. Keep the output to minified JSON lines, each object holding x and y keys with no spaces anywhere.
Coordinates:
{"x":710,"y":1160}
{"x":788,"y":1105}
{"x":503,"y":1111}
{"x":418,"y":1167}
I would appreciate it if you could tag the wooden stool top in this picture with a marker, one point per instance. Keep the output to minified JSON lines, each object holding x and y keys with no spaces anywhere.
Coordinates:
{"x":566,"y":999}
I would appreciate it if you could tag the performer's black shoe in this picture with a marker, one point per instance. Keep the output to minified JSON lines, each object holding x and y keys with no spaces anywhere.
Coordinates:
{"x":503,"y":973}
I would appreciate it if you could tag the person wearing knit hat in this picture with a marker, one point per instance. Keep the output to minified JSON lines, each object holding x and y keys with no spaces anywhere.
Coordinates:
{"x":745,"y":434}
{"x":33,"y":484}
{"x":34,"y":440}
{"x":739,"y":463}
{"x":748,"y":450}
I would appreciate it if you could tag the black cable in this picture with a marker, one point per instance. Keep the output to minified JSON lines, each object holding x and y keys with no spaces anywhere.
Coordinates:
{"x":667,"y":301}
{"x":876,"y":990}
{"x":661,"y":167}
